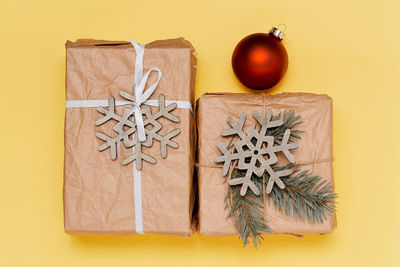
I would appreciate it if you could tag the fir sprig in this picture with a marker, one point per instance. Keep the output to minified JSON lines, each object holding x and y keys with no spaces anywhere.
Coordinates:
{"x":290,"y":120}
{"x":305,"y":196}
{"x":248,"y":212}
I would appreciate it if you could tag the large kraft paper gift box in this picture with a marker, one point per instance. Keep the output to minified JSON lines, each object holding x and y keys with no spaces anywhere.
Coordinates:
{"x":314,"y":153}
{"x":100,"y":195}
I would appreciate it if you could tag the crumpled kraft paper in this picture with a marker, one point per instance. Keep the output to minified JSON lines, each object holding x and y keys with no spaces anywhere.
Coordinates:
{"x":314,"y":153}
{"x":98,"y":192}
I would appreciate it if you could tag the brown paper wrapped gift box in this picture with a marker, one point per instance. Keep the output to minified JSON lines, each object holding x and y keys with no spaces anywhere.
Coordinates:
{"x":98,"y":192}
{"x":314,"y":153}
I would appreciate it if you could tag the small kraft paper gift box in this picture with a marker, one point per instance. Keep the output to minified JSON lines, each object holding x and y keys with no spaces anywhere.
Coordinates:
{"x":129,"y":148}
{"x":265,"y":164}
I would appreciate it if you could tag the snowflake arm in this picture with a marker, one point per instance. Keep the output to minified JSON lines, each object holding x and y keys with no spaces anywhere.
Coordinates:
{"x":109,"y":114}
{"x":165,"y":110}
{"x":275,"y":178}
{"x":285,"y":146}
{"x":237,"y":128}
{"x":246,"y":183}
{"x":227,"y":158}
{"x":138,"y":156}
{"x":109,"y":142}
{"x":266,"y":122}
{"x":127,"y":96}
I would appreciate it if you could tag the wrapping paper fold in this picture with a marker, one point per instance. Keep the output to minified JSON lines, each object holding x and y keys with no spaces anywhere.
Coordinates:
{"x":314,"y":153}
{"x":98,"y":192}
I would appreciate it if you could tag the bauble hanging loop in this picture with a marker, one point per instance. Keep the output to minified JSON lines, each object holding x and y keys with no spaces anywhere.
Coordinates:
{"x":260,"y":60}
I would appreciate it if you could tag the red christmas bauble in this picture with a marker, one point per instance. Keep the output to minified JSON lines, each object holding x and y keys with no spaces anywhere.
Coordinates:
{"x":260,"y":60}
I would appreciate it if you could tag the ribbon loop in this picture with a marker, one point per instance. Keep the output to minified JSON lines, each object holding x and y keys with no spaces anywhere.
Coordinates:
{"x":141,"y":95}
{"x":147,"y":93}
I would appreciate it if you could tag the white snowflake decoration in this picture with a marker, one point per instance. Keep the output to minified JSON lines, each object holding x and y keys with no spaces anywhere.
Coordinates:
{"x":256,"y":152}
{"x":125,"y":129}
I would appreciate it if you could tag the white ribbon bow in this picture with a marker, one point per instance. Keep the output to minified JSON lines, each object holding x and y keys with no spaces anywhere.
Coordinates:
{"x":139,"y":88}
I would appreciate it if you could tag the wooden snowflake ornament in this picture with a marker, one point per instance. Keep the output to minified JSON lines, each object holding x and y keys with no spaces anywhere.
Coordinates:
{"x":125,"y":130}
{"x":255,"y":152}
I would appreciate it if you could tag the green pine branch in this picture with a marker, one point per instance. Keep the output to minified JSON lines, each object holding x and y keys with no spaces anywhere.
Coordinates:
{"x":248,"y":212}
{"x":305,"y":196}
{"x":290,"y":120}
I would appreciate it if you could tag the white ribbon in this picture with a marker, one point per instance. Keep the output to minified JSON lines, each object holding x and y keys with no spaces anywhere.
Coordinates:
{"x":137,"y":192}
{"x":104,"y":103}
{"x":141,"y":97}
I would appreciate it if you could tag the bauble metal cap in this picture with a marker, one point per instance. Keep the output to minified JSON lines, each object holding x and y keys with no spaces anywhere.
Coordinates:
{"x":277,"y":33}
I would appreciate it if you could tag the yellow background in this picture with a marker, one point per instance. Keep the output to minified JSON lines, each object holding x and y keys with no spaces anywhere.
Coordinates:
{"x":347,"y":49}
